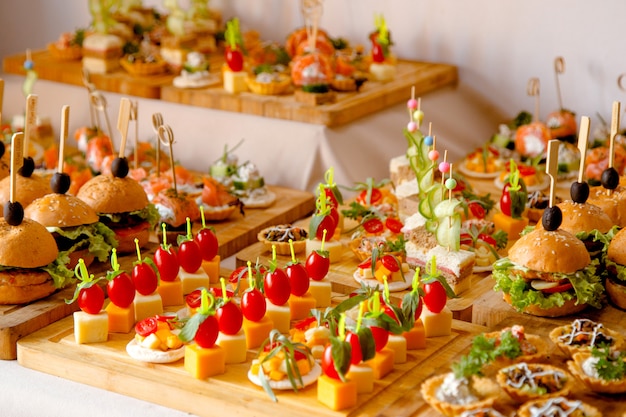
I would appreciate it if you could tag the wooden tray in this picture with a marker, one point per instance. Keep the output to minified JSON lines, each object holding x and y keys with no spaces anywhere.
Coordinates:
{"x":106,"y":365}
{"x":373,"y":97}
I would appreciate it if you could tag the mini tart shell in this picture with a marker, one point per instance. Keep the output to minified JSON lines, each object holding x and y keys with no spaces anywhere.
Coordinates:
{"x":540,"y":356}
{"x":598,"y":385}
{"x":589,"y":411}
{"x":144,"y":68}
{"x":522,"y":396}
{"x":486,"y":388}
{"x":217,"y":214}
{"x":282,"y":248}
{"x":281,"y":86}
{"x":570,"y":350}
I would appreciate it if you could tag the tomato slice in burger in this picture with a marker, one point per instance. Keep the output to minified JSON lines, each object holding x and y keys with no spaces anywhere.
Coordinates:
{"x":147,"y":326}
{"x":559,"y":288}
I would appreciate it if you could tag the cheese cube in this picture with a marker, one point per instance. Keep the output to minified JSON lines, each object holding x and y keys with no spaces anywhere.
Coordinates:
{"x":234,"y":346}
{"x":334,"y":248}
{"x":416,"y":337}
{"x":212,"y":269}
{"x":300,"y":306}
{"x":257,"y":331}
{"x":171,"y":292}
{"x":363,"y":375}
{"x":512,"y":227}
{"x":147,"y":305}
{"x":91,"y":328}
{"x":382,"y":72}
{"x":381,"y":363}
{"x":203,"y":363}
{"x":397,"y":343}
{"x":280,"y":316}
{"x":335,"y":394}
{"x":322,"y":292}
{"x":193,"y":280}
{"x":437,"y":324}
{"x":121,"y":320}
{"x":235,"y":82}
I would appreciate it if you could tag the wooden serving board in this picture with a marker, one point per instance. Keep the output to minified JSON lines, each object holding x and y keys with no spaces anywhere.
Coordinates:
{"x":373,"y":97}
{"x":106,"y":365}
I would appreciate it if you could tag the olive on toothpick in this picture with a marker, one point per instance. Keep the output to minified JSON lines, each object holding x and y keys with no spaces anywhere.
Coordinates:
{"x":60,"y":182}
{"x":2,"y":149}
{"x":579,"y":190}
{"x":610,"y":178}
{"x":13,"y":213}
{"x":27,"y":168}
{"x":552,"y":218}
{"x":119,"y":167}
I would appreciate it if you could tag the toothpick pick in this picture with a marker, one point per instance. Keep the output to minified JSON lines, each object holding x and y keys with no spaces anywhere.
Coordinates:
{"x":30,"y":121}
{"x":134,"y":109}
{"x":614,"y":130}
{"x":65,"y":115}
{"x":17,"y":160}
{"x":559,"y":68}
{"x":533,"y":90}
{"x":583,"y":138}
{"x":166,"y":135}
{"x":552,"y":165}
{"x":122,"y":123}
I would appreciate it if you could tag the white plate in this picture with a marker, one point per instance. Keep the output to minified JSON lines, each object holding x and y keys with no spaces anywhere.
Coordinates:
{"x":469,"y":173}
{"x":393,"y":286}
{"x":285,"y":384}
{"x":545,"y":183}
{"x":136,"y":351}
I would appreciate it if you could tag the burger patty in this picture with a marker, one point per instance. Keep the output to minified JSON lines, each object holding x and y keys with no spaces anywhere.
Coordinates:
{"x":23,"y":277}
{"x":529,"y":275}
{"x":63,"y":243}
{"x":126,"y":222}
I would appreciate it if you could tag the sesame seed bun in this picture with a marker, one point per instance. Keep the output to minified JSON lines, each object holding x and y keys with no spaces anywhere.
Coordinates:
{"x":585,"y":217}
{"x":27,"y":189}
{"x":109,"y":194}
{"x":613,"y":204}
{"x":60,"y":210}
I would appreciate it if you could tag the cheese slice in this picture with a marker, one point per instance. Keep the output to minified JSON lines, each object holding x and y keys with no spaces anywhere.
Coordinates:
{"x":335,"y":394}
{"x":91,"y":328}
{"x":234,"y":346}
{"x":203,"y":363}
{"x":322,"y":292}
{"x":382,"y":362}
{"x":280,"y":316}
{"x":363,"y":375}
{"x":334,"y":247}
{"x":121,"y":320}
{"x":235,"y":82}
{"x":171,"y":292}
{"x":147,"y":305}
{"x":416,"y":337}
{"x":212,"y":269}
{"x":193,"y":280}
{"x":257,"y":331}
{"x":300,"y":306}
{"x":398,"y":344}
{"x":437,"y":324}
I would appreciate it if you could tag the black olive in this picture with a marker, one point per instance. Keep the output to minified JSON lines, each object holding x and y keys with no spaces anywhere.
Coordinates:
{"x":13,"y":212}
{"x":579,"y":191}
{"x":27,"y":168}
{"x":60,"y":182}
{"x":552,"y":218}
{"x":119,"y":167}
{"x":610,"y":178}
{"x":2,"y":149}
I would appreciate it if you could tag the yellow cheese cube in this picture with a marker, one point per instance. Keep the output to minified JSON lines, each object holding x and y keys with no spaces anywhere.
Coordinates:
{"x":235,"y":82}
{"x":203,"y":363}
{"x":121,"y":320}
{"x":234,"y":346}
{"x":437,"y":324}
{"x":363,"y":375}
{"x":91,"y":328}
{"x":257,"y":331}
{"x":171,"y":292}
{"x":193,"y":280}
{"x":212,"y":269}
{"x":382,"y":362}
{"x":322,"y":292}
{"x":300,"y":306}
{"x":280,"y":316}
{"x":335,"y":394}
{"x":334,"y":248}
{"x":512,"y":227}
{"x":416,"y":337}
{"x":397,"y":343}
{"x":147,"y":305}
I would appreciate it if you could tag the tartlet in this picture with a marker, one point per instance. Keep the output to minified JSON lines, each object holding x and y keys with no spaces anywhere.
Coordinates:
{"x":528,"y":381}
{"x":577,"y":367}
{"x":583,"y":334}
{"x":279,"y":236}
{"x":269,"y":84}
{"x":533,"y":348}
{"x":139,"y":66}
{"x":547,"y":408}
{"x":485,"y":389}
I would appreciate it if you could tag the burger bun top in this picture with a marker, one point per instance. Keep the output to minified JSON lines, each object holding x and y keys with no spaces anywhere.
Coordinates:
{"x":27,"y":189}
{"x":27,"y":245}
{"x":584,"y":217}
{"x":109,"y":194}
{"x":617,"y":248}
{"x":60,"y":210}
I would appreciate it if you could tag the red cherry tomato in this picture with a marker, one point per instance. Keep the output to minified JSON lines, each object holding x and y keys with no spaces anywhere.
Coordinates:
{"x":505,"y":200}
{"x":374,"y":226}
{"x":477,"y":210}
{"x":121,"y":290}
{"x":277,"y":287}
{"x":378,"y":55}
{"x":253,"y":304}
{"x":435,"y":296}
{"x":91,"y":299}
{"x":147,"y":326}
{"x":357,"y":355}
{"x":234,"y":59}
{"x":229,"y":318}
{"x":365,"y":264}
{"x":393,"y":224}
{"x":144,"y":278}
{"x":167,"y":263}
{"x":189,"y":256}
{"x":389,"y":311}
{"x":298,"y":279}
{"x":390,"y":262}
{"x":207,"y":332}
{"x":194,"y":299}
{"x":305,"y":323}
{"x":331,"y":198}
{"x":487,"y":239}
{"x":328,"y":224}
{"x":381,"y":337}
{"x":317,"y":266}
{"x":328,"y":363}
{"x":334,"y":213}
{"x":207,"y":241}
{"x":375,"y":197}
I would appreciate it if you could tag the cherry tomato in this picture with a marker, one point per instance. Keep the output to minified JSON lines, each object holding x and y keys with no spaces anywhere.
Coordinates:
{"x":466,"y":239}
{"x":389,"y":311}
{"x":217,"y":292}
{"x":505,"y":200}
{"x":334,"y":213}
{"x":189,"y":256}
{"x":418,"y":309}
{"x":167,"y":263}
{"x":91,"y":299}
{"x":374,"y":226}
{"x":331,"y":198}
{"x":328,"y":363}
{"x":277,"y":286}
{"x":365,"y":264}
{"x":207,"y":241}
{"x":298,"y":278}
{"x":487,"y":239}
{"x":477,"y":210}
{"x":381,"y":337}
{"x":390,"y":262}
{"x":377,"y":53}
{"x":305,"y":323}
{"x":144,"y":278}
{"x":317,"y":266}
{"x":229,"y":318}
{"x":207,"y":332}
{"x":121,"y":290}
{"x":357,"y":355}
{"x":328,"y":224}
{"x":393,"y":224}
{"x":375,"y":197}
{"x":435,"y":296}
{"x":234,"y":59}
{"x":253,"y":304}
{"x":194,"y":299}
{"x":147,"y":326}
{"x":238,"y":274}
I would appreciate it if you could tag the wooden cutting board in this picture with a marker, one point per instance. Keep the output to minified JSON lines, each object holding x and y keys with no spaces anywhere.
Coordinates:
{"x":106,"y":365}
{"x":233,"y":235}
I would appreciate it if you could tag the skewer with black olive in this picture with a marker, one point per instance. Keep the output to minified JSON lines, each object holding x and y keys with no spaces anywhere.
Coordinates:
{"x":552,"y":216}
{"x":579,"y":190}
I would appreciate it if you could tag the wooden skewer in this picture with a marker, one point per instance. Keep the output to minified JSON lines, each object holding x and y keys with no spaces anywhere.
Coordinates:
{"x":17,"y":160}
{"x":583,"y":138}
{"x":166,"y":135}
{"x":65,"y":115}
{"x":122,"y":123}
{"x":157,"y":121}
{"x":612,"y":135}
{"x":552,"y":166}
{"x":134,"y":117}
{"x":559,"y":68}
{"x":31,"y":120}
{"x":533,"y":90}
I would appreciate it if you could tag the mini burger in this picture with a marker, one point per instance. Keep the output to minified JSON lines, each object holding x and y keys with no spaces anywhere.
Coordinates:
{"x":29,"y":185}
{"x":549,"y":273}
{"x":122,"y":205}
{"x":615,"y":263}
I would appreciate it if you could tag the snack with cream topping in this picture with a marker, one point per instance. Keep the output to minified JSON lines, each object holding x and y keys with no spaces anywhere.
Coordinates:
{"x":581,"y":335}
{"x":557,"y":406}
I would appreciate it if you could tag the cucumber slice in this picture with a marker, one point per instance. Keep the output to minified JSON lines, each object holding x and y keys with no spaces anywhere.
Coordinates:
{"x":449,"y":232}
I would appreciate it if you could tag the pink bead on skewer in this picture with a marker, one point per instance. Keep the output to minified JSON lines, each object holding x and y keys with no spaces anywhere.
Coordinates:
{"x":411,"y":126}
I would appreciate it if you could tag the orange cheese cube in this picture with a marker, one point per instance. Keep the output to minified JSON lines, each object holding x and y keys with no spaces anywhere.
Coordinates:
{"x":416,"y":337}
{"x":257,"y":331}
{"x":212,"y":269}
{"x":335,"y":394}
{"x":91,"y":328}
{"x":382,"y":362}
{"x":280,"y":316}
{"x":193,"y":280}
{"x":512,"y":227}
{"x":397,"y":343}
{"x":203,"y":363}
{"x":147,"y":305}
{"x":437,"y":324}
{"x":322,"y":292}
{"x":234,"y":346}
{"x":171,"y":292}
{"x":300,"y":306}
{"x":363,"y":375}
{"x":121,"y":320}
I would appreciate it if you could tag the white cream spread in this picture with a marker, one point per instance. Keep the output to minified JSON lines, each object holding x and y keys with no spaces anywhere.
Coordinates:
{"x":455,"y":390}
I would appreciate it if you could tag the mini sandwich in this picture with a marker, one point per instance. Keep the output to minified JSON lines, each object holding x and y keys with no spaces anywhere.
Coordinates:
{"x":102,"y":53}
{"x":615,"y":263}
